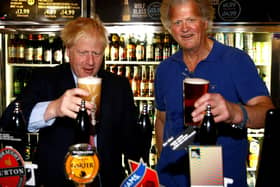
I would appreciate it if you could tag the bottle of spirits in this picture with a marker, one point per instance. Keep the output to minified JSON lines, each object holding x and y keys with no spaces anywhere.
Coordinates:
{"x":114,"y":51}
{"x":140,"y":48}
{"x":12,"y":48}
{"x":20,"y":49}
{"x":149,"y":48}
{"x":48,"y":49}
{"x":157,"y":47}
{"x":135,"y":82}
{"x":208,"y":129}
{"x":120,"y":71}
{"x":151,"y":81}
{"x":126,"y":11}
{"x":166,"y":52}
{"x":144,"y":82}
{"x":29,"y":50}
{"x":122,"y":48}
{"x":57,"y":51}
{"x":38,"y":50}
{"x":128,"y":74}
{"x":131,"y":48}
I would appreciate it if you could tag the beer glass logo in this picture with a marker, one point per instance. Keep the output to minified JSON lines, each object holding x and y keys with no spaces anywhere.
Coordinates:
{"x":12,"y":171}
{"x":81,"y":164}
{"x":30,"y":2}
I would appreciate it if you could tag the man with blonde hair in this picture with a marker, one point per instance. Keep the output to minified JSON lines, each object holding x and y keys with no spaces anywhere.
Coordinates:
{"x":51,"y":102}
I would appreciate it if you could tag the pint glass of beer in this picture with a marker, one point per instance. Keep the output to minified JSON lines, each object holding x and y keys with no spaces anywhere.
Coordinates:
{"x":93,"y":86}
{"x":193,"y":89}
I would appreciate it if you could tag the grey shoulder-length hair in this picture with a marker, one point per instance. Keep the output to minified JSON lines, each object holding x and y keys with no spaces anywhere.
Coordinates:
{"x":206,"y":10}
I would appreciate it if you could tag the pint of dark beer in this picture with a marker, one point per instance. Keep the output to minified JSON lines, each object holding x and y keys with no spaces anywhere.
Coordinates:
{"x":193,"y":89}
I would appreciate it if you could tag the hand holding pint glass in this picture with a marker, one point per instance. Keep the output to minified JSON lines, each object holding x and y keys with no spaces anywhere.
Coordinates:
{"x":193,"y":89}
{"x":93,"y":86}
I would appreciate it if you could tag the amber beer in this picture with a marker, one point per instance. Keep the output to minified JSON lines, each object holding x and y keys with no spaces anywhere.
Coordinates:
{"x":193,"y":89}
{"x":93,"y":86}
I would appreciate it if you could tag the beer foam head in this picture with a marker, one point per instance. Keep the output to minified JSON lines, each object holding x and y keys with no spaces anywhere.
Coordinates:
{"x":89,"y":80}
{"x":196,"y":81}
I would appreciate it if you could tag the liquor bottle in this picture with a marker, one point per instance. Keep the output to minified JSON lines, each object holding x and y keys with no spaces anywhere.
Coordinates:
{"x":166,"y":51}
{"x":20,"y":48}
{"x":143,"y":82}
{"x":29,"y":50}
{"x":128,"y":74}
{"x":17,"y":126}
{"x":114,"y":51}
{"x":66,"y":58}
{"x":120,"y":71}
{"x":57,"y":51}
{"x":151,"y":111}
{"x":38,"y":50}
{"x":140,"y":49}
{"x":48,"y":49}
{"x":82,"y":125}
{"x":157,"y":47}
{"x":126,"y":11}
{"x":113,"y":69}
{"x":122,"y":48}
{"x":135,"y":82}
{"x":131,"y":48}
{"x":208,"y":129}
{"x":12,"y":48}
{"x":145,"y":131}
{"x":151,"y":81}
{"x":107,"y":50}
{"x":149,"y":48}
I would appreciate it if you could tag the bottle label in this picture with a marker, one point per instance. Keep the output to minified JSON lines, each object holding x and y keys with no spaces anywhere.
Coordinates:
{"x":149,"y":52}
{"x":38,"y":54}
{"x":20,"y":52}
{"x":107,"y":53}
{"x":29,"y":54}
{"x":140,"y":52}
{"x":48,"y":56}
{"x":114,"y":53}
{"x":11,"y":52}
{"x":158,"y":55}
{"x":143,"y":88}
{"x":131,"y":50}
{"x":151,"y":89}
{"x":58,"y":56}
{"x":166,"y":52}
{"x":135,"y":87}
{"x":122,"y":53}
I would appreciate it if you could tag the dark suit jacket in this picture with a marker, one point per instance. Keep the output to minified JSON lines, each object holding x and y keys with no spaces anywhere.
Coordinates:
{"x":116,"y":133}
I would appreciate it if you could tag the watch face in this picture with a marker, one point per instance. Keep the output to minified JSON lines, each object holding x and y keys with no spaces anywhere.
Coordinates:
{"x":82,"y":163}
{"x":12,"y":171}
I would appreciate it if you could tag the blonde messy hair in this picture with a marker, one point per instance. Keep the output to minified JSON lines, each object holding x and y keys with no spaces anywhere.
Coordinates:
{"x":82,"y":26}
